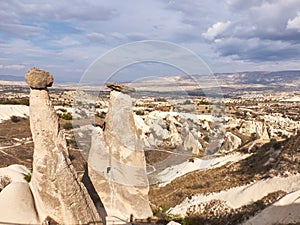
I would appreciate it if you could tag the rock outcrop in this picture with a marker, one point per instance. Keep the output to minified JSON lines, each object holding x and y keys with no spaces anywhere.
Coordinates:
{"x":231,"y":142}
{"x":190,"y":143}
{"x":257,"y":129}
{"x":171,"y":130}
{"x":117,"y":163}
{"x":57,"y":191}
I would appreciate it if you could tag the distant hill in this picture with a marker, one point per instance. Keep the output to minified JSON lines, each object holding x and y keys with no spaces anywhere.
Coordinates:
{"x":238,"y":80}
{"x":231,"y":84}
{"x":59,"y":80}
{"x":260,"y":77}
{"x":11,"y":78}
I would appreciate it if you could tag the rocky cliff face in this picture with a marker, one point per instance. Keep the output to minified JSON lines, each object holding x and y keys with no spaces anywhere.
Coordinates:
{"x":117,"y":163}
{"x":56,"y":189}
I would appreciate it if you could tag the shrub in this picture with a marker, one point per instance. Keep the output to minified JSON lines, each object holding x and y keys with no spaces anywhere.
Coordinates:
{"x":68,"y":126}
{"x":188,"y":102}
{"x":67,"y":116}
{"x":203,"y":102}
{"x":101,"y":114}
{"x":160,"y":100}
{"x":15,"y":101}
{"x":62,"y":110}
{"x":27,"y":177}
{"x":4,"y":181}
{"x":140,"y":112}
{"x":24,"y":101}
{"x":14,"y":119}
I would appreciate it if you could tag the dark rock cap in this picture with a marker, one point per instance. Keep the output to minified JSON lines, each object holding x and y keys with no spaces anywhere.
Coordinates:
{"x":119,"y":87}
{"x":38,"y":79}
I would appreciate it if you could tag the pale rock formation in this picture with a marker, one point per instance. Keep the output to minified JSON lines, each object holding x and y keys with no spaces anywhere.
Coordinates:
{"x":55,"y":186}
{"x":161,"y":131}
{"x":117,"y":163}
{"x":284,"y":211}
{"x":142,"y":130}
{"x":175,"y":137}
{"x":171,"y":131}
{"x":256,"y":128}
{"x":279,"y":126}
{"x":158,"y":129}
{"x":17,"y":204}
{"x":265,"y":127}
{"x":16,"y":200}
{"x":231,"y":142}
{"x":205,"y":125}
{"x":190,"y":143}
{"x":173,"y":223}
{"x":233,"y":123}
{"x":15,"y":172}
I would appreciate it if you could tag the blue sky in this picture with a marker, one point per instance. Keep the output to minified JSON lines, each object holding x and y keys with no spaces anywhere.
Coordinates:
{"x":65,"y":37}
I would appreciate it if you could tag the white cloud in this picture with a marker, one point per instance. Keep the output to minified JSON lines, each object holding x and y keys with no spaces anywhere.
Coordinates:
{"x":216,"y":30}
{"x":20,"y":30}
{"x":62,"y":10}
{"x":242,"y":4}
{"x":35,"y":32}
{"x":294,"y":24}
{"x":12,"y":67}
{"x":66,"y":41}
{"x":97,"y":37}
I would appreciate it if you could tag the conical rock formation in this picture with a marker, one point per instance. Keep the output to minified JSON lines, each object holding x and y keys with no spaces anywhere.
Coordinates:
{"x":117,"y":163}
{"x":55,"y":186}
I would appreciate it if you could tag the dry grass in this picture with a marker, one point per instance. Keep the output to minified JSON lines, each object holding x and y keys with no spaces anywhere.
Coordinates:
{"x":231,"y":175}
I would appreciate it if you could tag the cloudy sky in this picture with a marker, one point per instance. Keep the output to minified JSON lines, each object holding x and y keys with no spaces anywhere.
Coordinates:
{"x":65,"y":37}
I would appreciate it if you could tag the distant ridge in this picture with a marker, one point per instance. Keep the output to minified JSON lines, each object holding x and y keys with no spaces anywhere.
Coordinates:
{"x":11,"y":78}
{"x":291,"y":77}
{"x":261,"y":77}
{"x":14,"y":78}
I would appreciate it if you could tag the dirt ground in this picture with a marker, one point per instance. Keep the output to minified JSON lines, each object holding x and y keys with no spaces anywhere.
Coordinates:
{"x":16,"y":146}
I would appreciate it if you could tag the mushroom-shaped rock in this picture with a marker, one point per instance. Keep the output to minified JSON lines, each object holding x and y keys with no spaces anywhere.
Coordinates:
{"x":120,"y":87}
{"x":38,"y":79}
{"x":117,"y":163}
{"x":57,"y":191}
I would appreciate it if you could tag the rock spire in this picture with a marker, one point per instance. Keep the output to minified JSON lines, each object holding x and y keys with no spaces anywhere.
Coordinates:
{"x":57,"y":191}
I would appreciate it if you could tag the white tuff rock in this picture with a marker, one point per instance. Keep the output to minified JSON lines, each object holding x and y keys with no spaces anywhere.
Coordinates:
{"x":57,"y":191}
{"x":117,"y":163}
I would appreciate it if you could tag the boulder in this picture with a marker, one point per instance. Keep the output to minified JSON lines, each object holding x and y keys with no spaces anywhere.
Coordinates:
{"x":38,"y":79}
{"x":117,"y":163}
{"x":57,"y":191}
{"x":17,"y":204}
{"x":119,"y":87}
